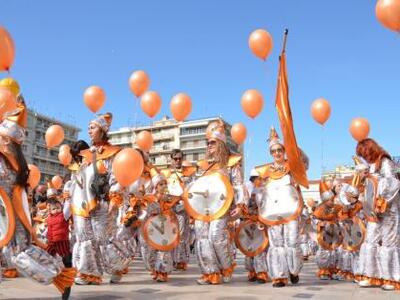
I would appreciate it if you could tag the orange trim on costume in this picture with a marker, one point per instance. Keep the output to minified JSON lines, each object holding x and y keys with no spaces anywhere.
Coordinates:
{"x":213,"y":278}
{"x":277,"y":280}
{"x":229,"y":271}
{"x":346,"y":274}
{"x":10,"y":273}
{"x":11,"y":219}
{"x":65,"y":279}
{"x":90,"y":278}
{"x":374,"y":281}
{"x":396,"y":284}
{"x":263,"y":276}
{"x":108,"y":151}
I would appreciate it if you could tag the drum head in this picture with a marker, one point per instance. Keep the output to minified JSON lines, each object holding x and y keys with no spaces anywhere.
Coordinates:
{"x":353,"y":232}
{"x":209,"y":197}
{"x":161,"y":232}
{"x":329,"y":235}
{"x":250,"y":239}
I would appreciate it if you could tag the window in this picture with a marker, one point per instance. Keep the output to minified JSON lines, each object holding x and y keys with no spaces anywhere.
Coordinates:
{"x":193,"y":130}
{"x":195,"y":156}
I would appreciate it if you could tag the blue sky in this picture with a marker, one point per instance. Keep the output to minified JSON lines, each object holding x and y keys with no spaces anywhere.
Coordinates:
{"x":336,"y":50}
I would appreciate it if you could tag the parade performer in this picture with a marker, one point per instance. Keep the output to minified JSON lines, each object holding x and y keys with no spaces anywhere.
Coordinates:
{"x":30,"y":260}
{"x":160,"y":228}
{"x":379,"y":262}
{"x":353,"y":228}
{"x":329,"y":237}
{"x":95,"y":194}
{"x":255,"y":263}
{"x":58,"y":231}
{"x":212,"y":200}
{"x":178,"y":176}
{"x":280,"y":208}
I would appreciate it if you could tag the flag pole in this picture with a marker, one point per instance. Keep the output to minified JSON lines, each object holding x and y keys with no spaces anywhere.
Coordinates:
{"x":284,"y":40}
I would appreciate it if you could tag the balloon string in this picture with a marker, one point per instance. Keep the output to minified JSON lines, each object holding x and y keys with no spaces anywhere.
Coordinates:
{"x":136,"y":111}
{"x":322,"y":150}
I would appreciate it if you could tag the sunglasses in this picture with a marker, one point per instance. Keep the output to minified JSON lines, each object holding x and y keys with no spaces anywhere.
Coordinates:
{"x":177,"y":158}
{"x":279,"y":150}
{"x":211,"y":143}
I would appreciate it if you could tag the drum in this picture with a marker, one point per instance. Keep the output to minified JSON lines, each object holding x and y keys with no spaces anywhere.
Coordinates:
{"x":250,"y":239}
{"x":209,"y":197}
{"x":161,"y":232}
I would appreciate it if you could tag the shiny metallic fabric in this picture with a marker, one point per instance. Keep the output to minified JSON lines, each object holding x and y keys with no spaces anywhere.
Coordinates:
{"x":257,"y":263}
{"x":379,"y":254}
{"x":284,"y":254}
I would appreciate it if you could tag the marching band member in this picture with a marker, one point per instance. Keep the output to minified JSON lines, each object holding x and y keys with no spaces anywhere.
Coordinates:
{"x":327,"y":215}
{"x":350,"y":223}
{"x":95,"y":196}
{"x":379,"y":262}
{"x":178,"y":176}
{"x":280,"y":208}
{"x":213,"y":248}
{"x":30,"y":260}
{"x":256,"y":266}
{"x":162,"y":208}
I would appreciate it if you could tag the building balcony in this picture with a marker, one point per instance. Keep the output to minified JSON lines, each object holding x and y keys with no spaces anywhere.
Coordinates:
{"x":193,"y":147}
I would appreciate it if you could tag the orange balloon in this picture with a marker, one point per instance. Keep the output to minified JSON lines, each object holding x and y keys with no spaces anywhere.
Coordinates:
{"x":54,"y":136}
{"x":388,"y":13}
{"x":150,"y":103}
{"x":139,"y":82}
{"x":239,"y":133}
{"x":34,"y":176}
{"x":181,"y":106}
{"x":65,"y":158}
{"x":252,"y":103}
{"x":7,"y":50}
{"x":321,"y":110}
{"x":359,"y":128}
{"x":57,"y":182}
{"x":260,"y":42}
{"x":127,"y":166}
{"x":7,"y":101}
{"x":144,"y":140}
{"x":64,"y":148}
{"x":94,"y":98}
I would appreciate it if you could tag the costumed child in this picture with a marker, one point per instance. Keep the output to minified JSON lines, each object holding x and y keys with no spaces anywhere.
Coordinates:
{"x":161,"y":229}
{"x":328,"y":232}
{"x":58,"y":231}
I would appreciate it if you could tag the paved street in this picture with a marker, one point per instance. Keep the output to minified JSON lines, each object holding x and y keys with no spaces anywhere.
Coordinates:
{"x":138,"y":285}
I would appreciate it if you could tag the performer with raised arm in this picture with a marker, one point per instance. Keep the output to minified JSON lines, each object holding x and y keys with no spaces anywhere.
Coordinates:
{"x":379,"y":262}
{"x":94,"y":197}
{"x":212,"y":200}
{"x":178,"y":176}
{"x":17,"y":234}
{"x":280,"y":208}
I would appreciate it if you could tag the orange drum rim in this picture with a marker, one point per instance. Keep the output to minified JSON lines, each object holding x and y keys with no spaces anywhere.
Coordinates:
{"x":156,"y":246}
{"x":364,"y":231}
{"x":221,"y":212}
{"x":260,"y":249}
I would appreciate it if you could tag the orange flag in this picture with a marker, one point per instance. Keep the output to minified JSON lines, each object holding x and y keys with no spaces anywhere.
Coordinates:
{"x":296,"y":165}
